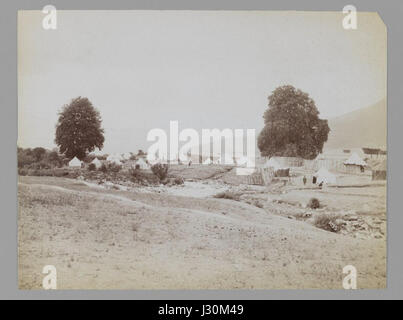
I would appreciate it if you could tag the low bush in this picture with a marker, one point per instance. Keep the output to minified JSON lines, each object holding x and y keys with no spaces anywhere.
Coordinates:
{"x":228,"y":195}
{"x":258,"y":204}
{"x":160,"y":170}
{"x":113,"y":167}
{"x":103,"y":168}
{"x":143,"y":177}
{"x":179,"y":181}
{"x":22,"y":172}
{"x":314,"y":203}
{"x":327,"y":222}
{"x":91,"y":167}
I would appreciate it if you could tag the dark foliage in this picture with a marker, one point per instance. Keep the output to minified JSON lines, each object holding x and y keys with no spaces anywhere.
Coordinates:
{"x":78,"y":130}
{"x":160,"y":170}
{"x":314,"y":203}
{"x":292,"y":125}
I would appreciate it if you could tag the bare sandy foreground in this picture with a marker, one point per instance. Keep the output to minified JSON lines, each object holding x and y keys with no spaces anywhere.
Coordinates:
{"x":113,"y":239}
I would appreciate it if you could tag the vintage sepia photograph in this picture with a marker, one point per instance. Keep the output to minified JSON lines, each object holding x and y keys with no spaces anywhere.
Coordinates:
{"x":202,"y":149}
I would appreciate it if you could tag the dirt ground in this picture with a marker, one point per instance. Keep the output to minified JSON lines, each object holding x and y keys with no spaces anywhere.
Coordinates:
{"x":177,"y":238}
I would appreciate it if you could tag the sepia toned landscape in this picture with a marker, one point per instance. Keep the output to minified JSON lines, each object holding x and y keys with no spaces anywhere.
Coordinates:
{"x":107,"y":213}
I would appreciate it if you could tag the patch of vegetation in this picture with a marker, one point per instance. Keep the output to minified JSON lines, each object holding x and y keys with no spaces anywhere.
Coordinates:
{"x":258,"y":204}
{"x":228,"y":195}
{"x":160,"y":170}
{"x":92,"y":167}
{"x":327,"y":222}
{"x":143,"y":177}
{"x":314,"y":203}
{"x":53,"y":200}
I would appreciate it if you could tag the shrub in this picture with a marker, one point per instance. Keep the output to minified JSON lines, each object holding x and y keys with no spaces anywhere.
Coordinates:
{"x":314,"y":203}
{"x":113,"y":167}
{"x":145,"y":178}
{"x":258,"y":204}
{"x":110,"y":167}
{"x":103,"y":168}
{"x":60,"y":172}
{"x":327,"y":222}
{"x":227,"y":195}
{"x":91,"y":167}
{"x":160,"y":170}
{"x":22,"y":172}
{"x":178,"y":181}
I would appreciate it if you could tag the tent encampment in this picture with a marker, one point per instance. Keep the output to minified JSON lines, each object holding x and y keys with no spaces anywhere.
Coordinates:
{"x":74,"y":163}
{"x":323,"y":175}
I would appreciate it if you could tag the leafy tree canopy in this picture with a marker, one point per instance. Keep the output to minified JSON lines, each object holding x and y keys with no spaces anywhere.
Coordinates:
{"x":78,"y":129}
{"x":292,"y":125}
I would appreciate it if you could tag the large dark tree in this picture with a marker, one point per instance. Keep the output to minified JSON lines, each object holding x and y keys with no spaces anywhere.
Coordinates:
{"x":78,"y":129}
{"x":292,"y":125}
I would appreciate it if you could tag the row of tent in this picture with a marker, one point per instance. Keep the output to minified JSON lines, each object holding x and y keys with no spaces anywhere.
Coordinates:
{"x":76,"y":163}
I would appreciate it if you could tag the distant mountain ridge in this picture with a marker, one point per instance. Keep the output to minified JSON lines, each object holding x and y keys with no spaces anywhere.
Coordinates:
{"x":366,"y":127}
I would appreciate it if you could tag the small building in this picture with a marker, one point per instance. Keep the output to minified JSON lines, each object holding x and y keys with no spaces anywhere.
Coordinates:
{"x":75,"y":163}
{"x":355,"y":164}
{"x":379,"y":171}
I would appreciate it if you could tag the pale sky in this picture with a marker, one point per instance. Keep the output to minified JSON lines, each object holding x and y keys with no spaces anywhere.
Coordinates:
{"x":206,"y":69}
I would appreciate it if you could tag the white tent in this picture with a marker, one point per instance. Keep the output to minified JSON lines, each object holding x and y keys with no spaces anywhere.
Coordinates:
{"x":208,"y":161}
{"x":110,"y":157}
{"x":323,"y":175}
{"x":126,"y":156}
{"x":74,"y":163}
{"x":355,"y":160}
{"x":142,"y":164}
{"x":272,"y":163}
{"x":97,"y":163}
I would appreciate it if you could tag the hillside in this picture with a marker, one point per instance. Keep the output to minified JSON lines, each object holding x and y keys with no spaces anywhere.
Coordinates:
{"x":116,"y":239}
{"x":365,"y":127}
